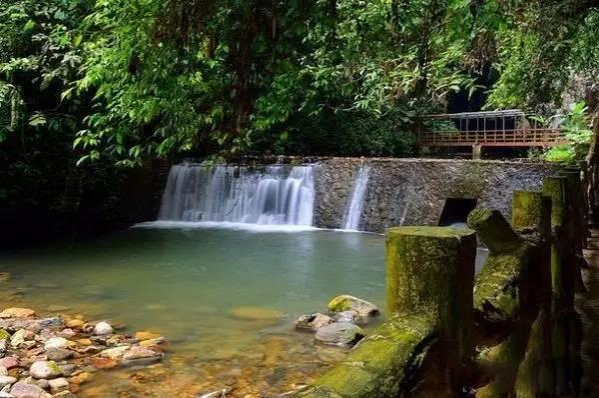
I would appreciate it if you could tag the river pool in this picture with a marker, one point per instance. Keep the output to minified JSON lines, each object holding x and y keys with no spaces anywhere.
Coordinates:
{"x":188,"y":282}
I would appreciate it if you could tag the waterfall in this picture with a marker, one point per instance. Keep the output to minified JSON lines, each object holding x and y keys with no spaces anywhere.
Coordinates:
{"x":278,"y":195}
{"x":353,"y":212}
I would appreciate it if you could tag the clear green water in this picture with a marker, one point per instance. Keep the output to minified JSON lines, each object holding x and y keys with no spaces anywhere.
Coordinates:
{"x":183,"y":283}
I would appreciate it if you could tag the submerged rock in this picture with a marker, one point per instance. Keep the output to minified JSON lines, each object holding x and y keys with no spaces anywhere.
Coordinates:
{"x":23,"y":313}
{"x":255,"y":314}
{"x":340,"y":334}
{"x":4,"y":277}
{"x":140,"y":356}
{"x":103,"y":329}
{"x":45,"y":370}
{"x":313,"y":322}
{"x":365,"y":309}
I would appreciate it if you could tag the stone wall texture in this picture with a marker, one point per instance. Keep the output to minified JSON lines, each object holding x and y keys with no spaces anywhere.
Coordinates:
{"x":414,"y":191}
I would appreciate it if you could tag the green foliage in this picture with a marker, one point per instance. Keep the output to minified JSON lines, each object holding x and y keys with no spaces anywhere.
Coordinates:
{"x":577,"y":129}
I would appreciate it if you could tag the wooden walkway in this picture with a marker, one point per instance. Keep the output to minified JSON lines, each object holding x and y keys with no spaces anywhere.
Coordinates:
{"x":531,"y":137}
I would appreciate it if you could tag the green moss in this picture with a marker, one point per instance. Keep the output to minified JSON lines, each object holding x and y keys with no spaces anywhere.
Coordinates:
{"x":379,"y":365}
{"x":4,"y":335}
{"x":339,"y":304}
{"x":54,"y":367}
{"x":556,"y":189}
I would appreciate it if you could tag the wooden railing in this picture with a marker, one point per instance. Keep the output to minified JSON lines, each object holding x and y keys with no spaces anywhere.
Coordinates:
{"x":531,"y":137}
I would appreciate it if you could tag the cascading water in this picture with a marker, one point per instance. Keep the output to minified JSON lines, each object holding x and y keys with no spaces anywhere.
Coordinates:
{"x":353,"y":213}
{"x":277,"y":196}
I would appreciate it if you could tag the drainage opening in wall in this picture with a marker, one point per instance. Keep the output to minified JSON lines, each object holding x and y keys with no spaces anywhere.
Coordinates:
{"x":456,"y":210}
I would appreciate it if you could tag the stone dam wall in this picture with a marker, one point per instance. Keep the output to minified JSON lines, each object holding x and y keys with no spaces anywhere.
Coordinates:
{"x":414,"y":191}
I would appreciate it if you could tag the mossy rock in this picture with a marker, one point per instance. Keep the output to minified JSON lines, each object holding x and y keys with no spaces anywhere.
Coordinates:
{"x":4,"y":335}
{"x":345,"y":302}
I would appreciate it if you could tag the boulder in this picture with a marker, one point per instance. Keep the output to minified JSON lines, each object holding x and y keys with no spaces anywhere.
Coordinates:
{"x":15,"y":312}
{"x":24,"y":390}
{"x":313,"y":322}
{"x":45,"y":370}
{"x":343,"y":334}
{"x":103,"y":329}
{"x":346,"y":302}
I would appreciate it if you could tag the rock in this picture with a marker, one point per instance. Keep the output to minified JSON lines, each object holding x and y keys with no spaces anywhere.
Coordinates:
{"x":339,"y":334}
{"x":58,"y":308}
{"x":114,"y":353}
{"x":48,"y":322}
{"x":75,"y":323}
{"x":3,"y":371}
{"x":42,"y":383}
{"x":346,"y":302}
{"x":103,"y":329}
{"x":145,"y":335}
{"x":7,"y":380}
{"x":4,"y":335}
{"x":18,"y":338}
{"x":56,"y":342}
{"x":22,"y":313}
{"x":347,"y":316}
{"x":86,"y":342}
{"x":45,"y":370}
{"x":67,"y":333}
{"x":141,"y":356}
{"x":9,"y":362}
{"x":312,"y":322}
{"x":255,"y":314}
{"x":24,"y":390}
{"x":3,"y":347}
{"x":83,"y":377}
{"x":59,"y":385}
{"x":4,"y":394}
{"x":152,"y":342}
{"x":103,"y":363}
{"x":64,"y":394}
{"x":58,"y":354}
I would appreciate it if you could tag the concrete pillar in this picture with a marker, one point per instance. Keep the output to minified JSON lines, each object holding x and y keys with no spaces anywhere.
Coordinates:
{"x":477,"y":152}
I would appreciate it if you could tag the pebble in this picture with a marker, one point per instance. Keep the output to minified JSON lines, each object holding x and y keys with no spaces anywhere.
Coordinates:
{"x":58,"y":385}
{"x":45,"y":370}
{"x":9,"y":362}
{"x":7,"y":380}
{"x":22,"y":390}
{"x":103,"y":329}
{"x":3,"y":371}
{"x":56,"y":342}
{"x":75,"y":323}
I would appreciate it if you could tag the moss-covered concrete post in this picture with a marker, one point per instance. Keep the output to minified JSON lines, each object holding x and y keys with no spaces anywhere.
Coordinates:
{"x":565,"y":270}
{"x":425,"y":347}
{"x":505,"y":301}
{"x":531,"y":217}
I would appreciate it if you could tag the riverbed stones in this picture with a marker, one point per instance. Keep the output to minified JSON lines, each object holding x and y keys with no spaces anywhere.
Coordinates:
{"x":45,"y":370}
{"x":115,"y":353}
{"x":313,"y":322}
{"x":138,"y":355}
{"x":342,"y":334}
{"x":75,"y":323}
{"x":345,"y":302}
{"x":59,"y":354}
{"x":347,"y":316}
{"x":103,"y":329}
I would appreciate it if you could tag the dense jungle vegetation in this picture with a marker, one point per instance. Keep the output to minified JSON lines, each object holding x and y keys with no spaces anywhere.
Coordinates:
{"x":87,"y":87}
